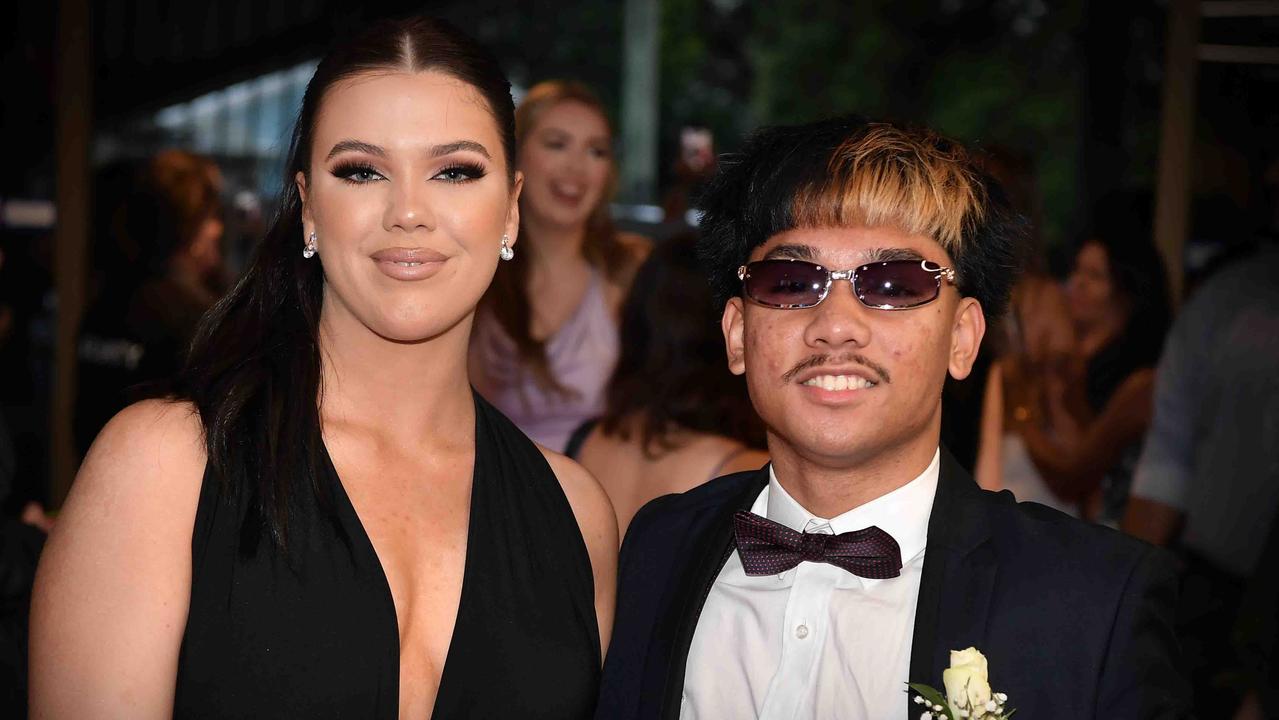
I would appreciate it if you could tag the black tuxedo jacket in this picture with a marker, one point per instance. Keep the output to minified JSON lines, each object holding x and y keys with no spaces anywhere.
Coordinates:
{"x":1075,"y":619}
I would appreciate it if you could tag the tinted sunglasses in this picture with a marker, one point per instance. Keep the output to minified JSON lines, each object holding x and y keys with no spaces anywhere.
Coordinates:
{"x":891,"y":285}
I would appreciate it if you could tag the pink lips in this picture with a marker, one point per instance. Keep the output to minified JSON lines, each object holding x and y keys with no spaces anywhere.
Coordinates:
{"x":402,"y":263}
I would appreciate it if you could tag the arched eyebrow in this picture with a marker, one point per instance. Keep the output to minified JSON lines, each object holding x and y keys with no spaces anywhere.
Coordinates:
{"x":436,"y":151}
{"x":446,"y":148}
{"x":355,"y":146}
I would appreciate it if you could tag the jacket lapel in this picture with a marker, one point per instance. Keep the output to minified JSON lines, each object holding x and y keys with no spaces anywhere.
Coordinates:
{"x":959,"y":566}
{"x":708,"y":549}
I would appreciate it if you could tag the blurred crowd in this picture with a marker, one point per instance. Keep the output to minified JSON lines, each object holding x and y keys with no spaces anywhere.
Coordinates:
{"x":1096,"y":395}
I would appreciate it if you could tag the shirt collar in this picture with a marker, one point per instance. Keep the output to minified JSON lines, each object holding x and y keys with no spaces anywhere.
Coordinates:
{"x":902,"y":513}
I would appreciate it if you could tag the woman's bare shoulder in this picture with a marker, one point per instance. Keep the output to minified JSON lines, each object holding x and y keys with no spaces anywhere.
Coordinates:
{"x":587,"y":497}
{"x":146,"y":467}
{"x":140,"y":480}
{"x":111,"y":595}
{"x":146,"y":437}
{"x":747,"y":459}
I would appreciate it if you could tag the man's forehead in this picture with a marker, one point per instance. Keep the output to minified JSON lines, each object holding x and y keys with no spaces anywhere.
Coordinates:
{"x":827,"y":256}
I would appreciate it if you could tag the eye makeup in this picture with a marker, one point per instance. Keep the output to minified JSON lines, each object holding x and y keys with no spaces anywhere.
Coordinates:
{"x":355,"y":173}
{"x":361,"y":173}
{"x":462,"y":172}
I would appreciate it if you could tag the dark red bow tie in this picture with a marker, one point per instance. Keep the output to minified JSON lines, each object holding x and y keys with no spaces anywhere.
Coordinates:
{"x":769,"y":548}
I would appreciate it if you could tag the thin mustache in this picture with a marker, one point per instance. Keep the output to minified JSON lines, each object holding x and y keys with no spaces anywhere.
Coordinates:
{"x":816,"y":360}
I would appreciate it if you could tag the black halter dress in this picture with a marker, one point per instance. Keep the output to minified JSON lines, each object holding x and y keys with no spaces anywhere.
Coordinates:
{"x":315,"y":635}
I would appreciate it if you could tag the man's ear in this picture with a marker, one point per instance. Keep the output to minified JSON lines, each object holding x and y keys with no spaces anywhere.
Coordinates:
{"x":732,"y":323}
{"x":513,"y":211}
{"x":965,"y":337}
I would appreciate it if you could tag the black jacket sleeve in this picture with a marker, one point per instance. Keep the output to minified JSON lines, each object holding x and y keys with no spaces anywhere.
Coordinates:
{"x":1143,"y":676}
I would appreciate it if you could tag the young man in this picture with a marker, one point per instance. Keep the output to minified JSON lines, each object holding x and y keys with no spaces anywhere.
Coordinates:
{"x":858,"y":263}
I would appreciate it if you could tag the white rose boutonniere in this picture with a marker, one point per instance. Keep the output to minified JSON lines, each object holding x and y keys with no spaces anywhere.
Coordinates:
{"x":968,"y":694}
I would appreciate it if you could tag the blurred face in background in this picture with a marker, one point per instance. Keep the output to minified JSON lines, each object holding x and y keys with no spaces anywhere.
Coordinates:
{"x":205,"y":249}
{"x":567,"y":163}
{"x":409,"y":197}
{"x":1093,"y":300}
{"x":1039,"y":323}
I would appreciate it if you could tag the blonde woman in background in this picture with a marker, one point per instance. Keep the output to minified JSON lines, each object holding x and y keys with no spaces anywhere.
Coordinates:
{"x":546,"y":339}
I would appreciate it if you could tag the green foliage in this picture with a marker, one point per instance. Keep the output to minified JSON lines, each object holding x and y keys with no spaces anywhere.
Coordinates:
{"x":1002,"y":75}
{"x":817,"y":58}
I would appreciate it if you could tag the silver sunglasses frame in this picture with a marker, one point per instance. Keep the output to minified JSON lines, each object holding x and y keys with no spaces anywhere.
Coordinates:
{"x":939,"y":273}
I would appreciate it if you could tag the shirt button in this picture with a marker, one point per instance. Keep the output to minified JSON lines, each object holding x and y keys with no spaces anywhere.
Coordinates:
{"x":801,"y":632}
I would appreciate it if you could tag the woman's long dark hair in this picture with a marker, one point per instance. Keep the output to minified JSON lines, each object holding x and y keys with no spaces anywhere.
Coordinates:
{"x":672,"y":375}
{"x":253,"y":371}
{"x":1124,"y":228}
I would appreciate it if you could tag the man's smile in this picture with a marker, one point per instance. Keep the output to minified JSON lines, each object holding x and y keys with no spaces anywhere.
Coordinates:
{"x":856,"y":370}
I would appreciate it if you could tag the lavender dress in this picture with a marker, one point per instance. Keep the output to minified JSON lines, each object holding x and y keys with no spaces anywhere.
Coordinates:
{"x":581,"y":356}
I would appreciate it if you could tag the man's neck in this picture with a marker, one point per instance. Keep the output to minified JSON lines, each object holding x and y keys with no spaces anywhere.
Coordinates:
{"x":828,"y":487}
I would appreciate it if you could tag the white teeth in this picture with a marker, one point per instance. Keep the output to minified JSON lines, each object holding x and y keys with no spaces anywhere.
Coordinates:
{"x":569,"y":190}
{"x":839,"y":382}
{"x":408,"y":264}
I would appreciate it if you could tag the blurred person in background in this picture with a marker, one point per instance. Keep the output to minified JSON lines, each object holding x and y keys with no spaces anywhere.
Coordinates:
{"x":546,"y":337}
{"x":168,"y":272}
{"x":1207,"y":483}
{"x":675,"y":416}
{"x":1038,"y":338}
{"x":19,"y":491}
{"x":1256,"y":636}
{"x":22,"y":535}
{"x":324,"y":520}
{"x":693,"y":167}
{"x":1084,"y":430}
{"x":964,"y":401}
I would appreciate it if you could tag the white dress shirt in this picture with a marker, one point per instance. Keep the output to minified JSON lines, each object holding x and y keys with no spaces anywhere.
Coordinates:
{"x":816,"y":641}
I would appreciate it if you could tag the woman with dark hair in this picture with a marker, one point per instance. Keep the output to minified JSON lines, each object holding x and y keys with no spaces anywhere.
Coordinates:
{"x":546,"y":338}
{"x":323,"y":520}
{"x":676,"y":417}
{"x":1083,"y":427}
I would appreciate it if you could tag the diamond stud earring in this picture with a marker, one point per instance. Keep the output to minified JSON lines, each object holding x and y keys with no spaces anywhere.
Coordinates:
{"x":507,"y":252}
{"x":308,"y":252}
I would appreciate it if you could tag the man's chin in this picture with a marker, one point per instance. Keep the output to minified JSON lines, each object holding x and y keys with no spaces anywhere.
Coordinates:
{"x":842,"y":449}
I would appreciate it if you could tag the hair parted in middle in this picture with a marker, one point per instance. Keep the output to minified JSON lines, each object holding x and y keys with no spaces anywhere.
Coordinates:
{"x":254,"y":367}
{"x":851,"y":172}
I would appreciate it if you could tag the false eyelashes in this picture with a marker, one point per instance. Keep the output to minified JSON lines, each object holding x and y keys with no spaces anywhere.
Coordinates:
{"x":358,"y":173}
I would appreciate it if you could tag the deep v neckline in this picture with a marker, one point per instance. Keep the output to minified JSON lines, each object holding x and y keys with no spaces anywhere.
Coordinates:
{"x":363,"y":545}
